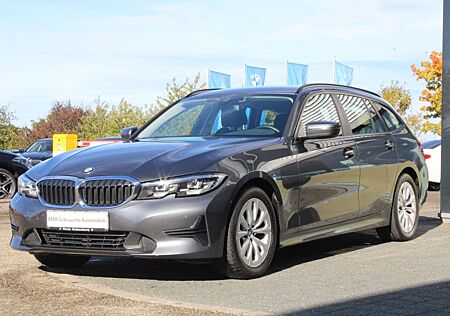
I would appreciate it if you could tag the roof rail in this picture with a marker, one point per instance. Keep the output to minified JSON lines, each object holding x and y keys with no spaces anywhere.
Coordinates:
{"x":199,"y":92}
{"x":336,"y":85}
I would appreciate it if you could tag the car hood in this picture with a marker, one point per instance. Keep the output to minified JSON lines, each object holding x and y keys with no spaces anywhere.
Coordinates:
{"x":37,"y":155}
{"x":147,"y":160}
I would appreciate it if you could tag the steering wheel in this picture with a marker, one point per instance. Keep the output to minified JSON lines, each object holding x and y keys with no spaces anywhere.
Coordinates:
{"x":269,"y":127}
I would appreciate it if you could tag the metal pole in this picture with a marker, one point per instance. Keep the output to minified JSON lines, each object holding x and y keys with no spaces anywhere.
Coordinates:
{"x":334,"y":70}
{"x":445,"y":150}
{"x":287,"y":78}
{"x":209,"y":77}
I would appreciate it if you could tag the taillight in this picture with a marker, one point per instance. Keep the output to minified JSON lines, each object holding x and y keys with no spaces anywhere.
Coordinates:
{"x":421,"y":148}
{"x":427,"y":156}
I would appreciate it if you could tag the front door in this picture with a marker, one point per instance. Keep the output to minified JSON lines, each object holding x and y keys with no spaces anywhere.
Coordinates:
{"x":329,"y":174}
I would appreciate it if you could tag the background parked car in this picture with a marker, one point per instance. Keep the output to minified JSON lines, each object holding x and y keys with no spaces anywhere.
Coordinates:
{"x":432,"y":150}
{"x":11,"y":167}
{"x":38,"y":151}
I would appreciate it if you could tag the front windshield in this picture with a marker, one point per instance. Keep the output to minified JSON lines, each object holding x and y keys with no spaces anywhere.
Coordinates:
{"x":40,"y":147}
{"x":258,"y":115}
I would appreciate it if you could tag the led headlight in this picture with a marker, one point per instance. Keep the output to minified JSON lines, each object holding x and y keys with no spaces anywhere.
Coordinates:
{"x":182,"y":186}
{"x":26,"y":186}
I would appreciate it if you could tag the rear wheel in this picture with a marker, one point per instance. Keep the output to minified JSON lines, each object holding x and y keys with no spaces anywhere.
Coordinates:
{"x":8,"y":185}
{"x":405,"y":212}
{"x":62,"y":261}
{"x":251,"y":238}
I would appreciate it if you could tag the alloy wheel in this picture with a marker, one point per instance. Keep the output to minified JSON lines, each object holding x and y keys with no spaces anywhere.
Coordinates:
{"x":254,"y":232}
{"x":6,"y":185}
{"x":406,"y":207}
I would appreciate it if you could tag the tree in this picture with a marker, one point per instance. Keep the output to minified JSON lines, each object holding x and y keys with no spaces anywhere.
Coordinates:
{"x":176,"y":92}
{"x":105,"y":120}
{"x":400,"y":98}
{"x":431,"y":72}
{"x":63,"y":118}
{"x":8,"y":132}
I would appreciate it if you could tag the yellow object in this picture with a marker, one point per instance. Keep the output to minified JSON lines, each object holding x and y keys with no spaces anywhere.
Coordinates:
{"x":63,"y":143}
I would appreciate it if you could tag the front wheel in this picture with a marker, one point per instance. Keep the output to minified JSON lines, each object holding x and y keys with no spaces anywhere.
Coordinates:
{"x":405,"y":212}
{"x":8,"y":185}
{"x":62,"y":261}
{"x":251,"y":237}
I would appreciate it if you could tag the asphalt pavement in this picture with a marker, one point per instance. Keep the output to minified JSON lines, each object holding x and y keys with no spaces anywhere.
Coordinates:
{"x":351,"y":274}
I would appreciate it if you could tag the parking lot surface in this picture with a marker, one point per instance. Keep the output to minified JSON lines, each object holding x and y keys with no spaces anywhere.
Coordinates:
{"x":351,"y":274}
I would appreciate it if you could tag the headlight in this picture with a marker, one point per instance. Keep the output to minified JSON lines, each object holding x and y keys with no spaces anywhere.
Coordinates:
{"x":26,"y":186}
{"x":182,"y":186}
{"x":23,"y":161}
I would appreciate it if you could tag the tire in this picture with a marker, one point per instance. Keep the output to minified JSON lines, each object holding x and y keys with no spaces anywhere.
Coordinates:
{"x":8,"y":184}
{"x":62,"y":261}
{"x":256,"y":238}
{"x":404,"y":213}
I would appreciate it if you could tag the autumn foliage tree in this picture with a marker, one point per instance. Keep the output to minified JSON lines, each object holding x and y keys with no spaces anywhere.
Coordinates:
{"x":400,"y":98}
{"x":63,"y":118}
{"x":431,"y":72}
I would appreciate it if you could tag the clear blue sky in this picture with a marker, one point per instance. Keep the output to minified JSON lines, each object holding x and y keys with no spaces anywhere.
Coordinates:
{"x":78,"y":50}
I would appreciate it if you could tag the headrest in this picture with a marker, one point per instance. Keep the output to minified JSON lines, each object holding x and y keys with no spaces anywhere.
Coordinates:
{"x":233,"y":116}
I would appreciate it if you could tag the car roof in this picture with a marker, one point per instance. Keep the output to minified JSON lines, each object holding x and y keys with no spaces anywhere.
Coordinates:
{"x":291,"y":90}
{"x":283,"y":90}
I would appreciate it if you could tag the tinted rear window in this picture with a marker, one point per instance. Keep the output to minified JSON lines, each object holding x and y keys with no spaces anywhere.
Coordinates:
{"x":392,"y":122}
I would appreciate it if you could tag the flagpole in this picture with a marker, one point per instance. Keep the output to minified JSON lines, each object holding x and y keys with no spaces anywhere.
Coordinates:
{"x":209,"y":76}
{"x":334,"y":70}
{"x":287,"y":78}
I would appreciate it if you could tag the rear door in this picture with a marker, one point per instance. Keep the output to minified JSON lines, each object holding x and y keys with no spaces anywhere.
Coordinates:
{"x":328,"y":171}
{"x":377,"y":155}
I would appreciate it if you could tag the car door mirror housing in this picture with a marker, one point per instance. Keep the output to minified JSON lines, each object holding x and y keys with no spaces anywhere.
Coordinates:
{"x":322,"y":129}
{"x":127,"y":132}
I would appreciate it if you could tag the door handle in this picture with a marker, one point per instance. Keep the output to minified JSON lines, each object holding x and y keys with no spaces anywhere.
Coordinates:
{"x":349,"y":152}
{"x":389,"y":144}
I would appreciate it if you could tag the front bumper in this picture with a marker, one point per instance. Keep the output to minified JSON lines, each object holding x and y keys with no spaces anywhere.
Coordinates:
{"x":178,"y":228}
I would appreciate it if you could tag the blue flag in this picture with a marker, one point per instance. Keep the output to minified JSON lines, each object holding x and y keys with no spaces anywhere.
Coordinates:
{"x":254,"y":76}
{"x":296,"y":74}
{"x":343,"y":74}
{"x":218,"y":80}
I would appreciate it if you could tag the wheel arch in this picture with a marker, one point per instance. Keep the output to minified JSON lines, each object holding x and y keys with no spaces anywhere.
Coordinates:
{"x":267,"y":184}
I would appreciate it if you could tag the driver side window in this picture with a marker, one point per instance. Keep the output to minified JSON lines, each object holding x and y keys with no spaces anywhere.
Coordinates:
{"x":319,"y":107}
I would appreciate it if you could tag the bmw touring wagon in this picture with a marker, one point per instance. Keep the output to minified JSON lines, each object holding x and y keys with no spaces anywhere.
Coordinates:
{"x":228,"y":176}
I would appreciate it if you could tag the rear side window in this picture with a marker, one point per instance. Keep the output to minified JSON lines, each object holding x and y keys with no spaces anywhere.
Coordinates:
{"x":358,"y":116}
{"x":378,"y":125}
{"x":391,"y":120}
{"x":319,"y":107}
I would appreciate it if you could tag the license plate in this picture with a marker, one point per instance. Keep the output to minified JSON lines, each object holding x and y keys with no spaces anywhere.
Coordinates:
{"x":78,"y":220}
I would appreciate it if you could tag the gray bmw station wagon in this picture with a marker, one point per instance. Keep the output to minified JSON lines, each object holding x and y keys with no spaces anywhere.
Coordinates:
{"x":228,"y":176}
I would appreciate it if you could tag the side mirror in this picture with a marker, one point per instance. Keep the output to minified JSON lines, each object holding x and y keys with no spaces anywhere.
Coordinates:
{"x":127,"y":132}
{"x":322,"y":129}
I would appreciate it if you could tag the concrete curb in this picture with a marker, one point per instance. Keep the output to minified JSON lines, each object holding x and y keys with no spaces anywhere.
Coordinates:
{"x":5,"y":201}
{"x":77,"y":281}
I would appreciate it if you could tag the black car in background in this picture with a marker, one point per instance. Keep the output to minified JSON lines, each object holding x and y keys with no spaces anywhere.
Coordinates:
{"x":11,"y":167}
{"x":38,"y":151}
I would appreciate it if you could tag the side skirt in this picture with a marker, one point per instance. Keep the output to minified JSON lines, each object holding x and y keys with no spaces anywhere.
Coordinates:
{"x":364,"y":223}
